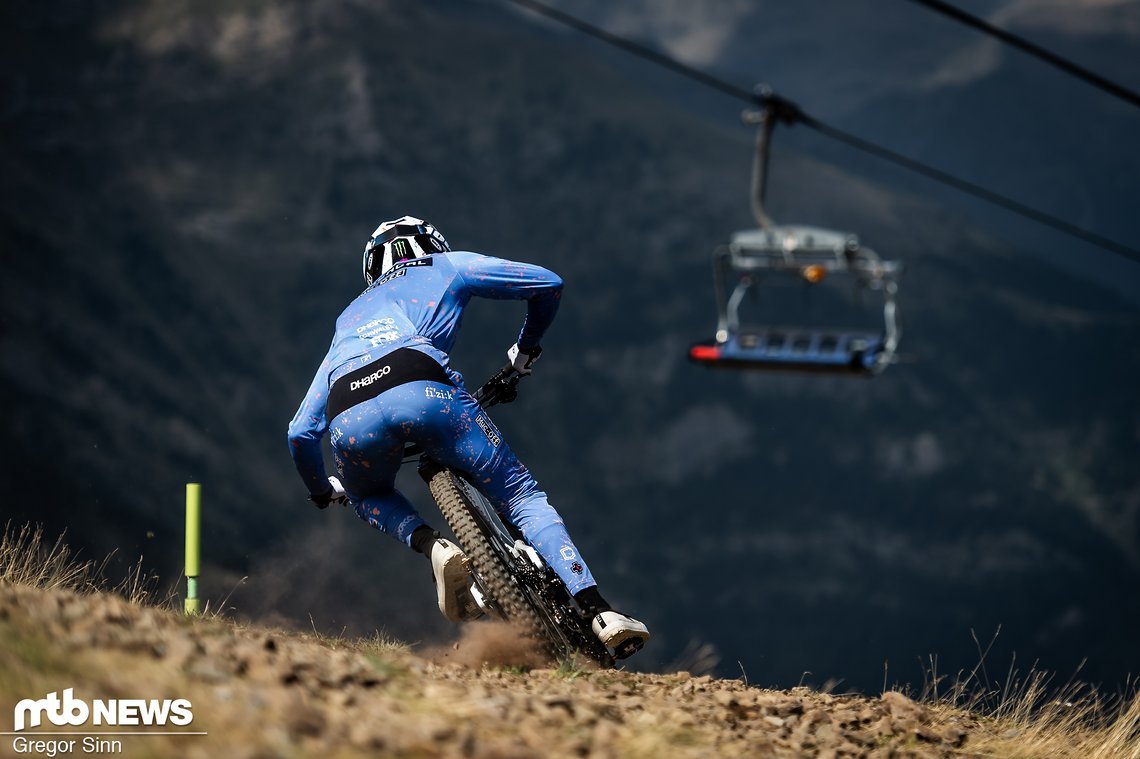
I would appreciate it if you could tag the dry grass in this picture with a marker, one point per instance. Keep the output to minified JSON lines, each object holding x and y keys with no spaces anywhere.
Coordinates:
{"x":28,"y":558}
{"x":1028,"y":717}
{"x":1034,"y":725}
{"x":380,"y":643}
{"x":377,"y":644}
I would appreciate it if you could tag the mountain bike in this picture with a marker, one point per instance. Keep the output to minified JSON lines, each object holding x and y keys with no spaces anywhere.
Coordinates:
{"x":511,"y":580}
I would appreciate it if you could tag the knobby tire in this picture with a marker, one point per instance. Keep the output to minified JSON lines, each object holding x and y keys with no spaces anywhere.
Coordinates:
{"x":500,"y":581}
{"x":452,"y":502}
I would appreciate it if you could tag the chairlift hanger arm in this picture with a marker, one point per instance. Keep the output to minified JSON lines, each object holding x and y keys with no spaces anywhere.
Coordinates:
{"x":777,"y":107}
{"x":773,"y":110}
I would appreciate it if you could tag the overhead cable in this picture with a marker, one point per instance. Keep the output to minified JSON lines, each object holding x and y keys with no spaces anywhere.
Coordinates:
{"x":1073,"y":69}
{"x":930,"y":172}
{"x":641,"y":51}
{"x":976,"y":190}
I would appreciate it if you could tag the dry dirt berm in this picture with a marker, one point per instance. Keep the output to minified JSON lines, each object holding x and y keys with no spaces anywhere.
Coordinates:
{"x":262,"y":692}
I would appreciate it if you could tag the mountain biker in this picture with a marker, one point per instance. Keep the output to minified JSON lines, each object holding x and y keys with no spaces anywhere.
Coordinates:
{"x":387,"y":381}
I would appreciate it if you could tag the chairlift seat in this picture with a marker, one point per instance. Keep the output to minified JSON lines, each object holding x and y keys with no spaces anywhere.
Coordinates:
{"x":756,"y":256}
{"x":756,"y":259}
{"x":829,"y":351}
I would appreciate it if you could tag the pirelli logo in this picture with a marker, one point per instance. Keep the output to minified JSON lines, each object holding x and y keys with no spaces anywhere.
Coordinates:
{"x":489,"y":430}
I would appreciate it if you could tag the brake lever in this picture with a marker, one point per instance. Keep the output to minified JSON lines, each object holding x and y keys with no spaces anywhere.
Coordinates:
{"x":501,"y":388}
{"x":510,"y":393}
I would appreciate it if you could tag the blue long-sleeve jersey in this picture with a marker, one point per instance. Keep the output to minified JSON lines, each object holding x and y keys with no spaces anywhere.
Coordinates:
{"x":419,"y":303}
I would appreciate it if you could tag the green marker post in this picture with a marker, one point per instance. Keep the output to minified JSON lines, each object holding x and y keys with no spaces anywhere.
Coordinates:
{"x":193,"y":544}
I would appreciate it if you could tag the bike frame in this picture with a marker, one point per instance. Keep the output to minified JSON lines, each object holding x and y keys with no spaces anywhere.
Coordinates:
{"x":535,"y":579}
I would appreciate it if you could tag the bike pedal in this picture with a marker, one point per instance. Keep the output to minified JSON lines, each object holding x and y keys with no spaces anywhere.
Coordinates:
{"x":479,"y":598}
{"x":628,"y":648}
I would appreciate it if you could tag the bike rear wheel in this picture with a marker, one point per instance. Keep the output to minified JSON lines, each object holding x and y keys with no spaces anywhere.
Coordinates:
{"x":527,"y":594}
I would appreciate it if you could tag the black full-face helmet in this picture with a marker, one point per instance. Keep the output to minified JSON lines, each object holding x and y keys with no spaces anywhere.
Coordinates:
{"x":399,"y":240}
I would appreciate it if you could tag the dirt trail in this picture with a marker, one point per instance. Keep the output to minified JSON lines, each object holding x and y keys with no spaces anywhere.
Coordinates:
{"x":266,"y":693}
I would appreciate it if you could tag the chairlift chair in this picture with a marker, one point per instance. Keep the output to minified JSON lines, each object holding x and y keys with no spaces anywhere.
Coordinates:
{"x":755,"y":257}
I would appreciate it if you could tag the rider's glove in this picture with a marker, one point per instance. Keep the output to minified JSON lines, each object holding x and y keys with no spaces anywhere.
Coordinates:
{"x":523,"y":360}
{"x":335,"y":494}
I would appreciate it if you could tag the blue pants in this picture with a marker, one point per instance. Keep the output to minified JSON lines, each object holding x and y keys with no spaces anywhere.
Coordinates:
{"x":368,"y":446}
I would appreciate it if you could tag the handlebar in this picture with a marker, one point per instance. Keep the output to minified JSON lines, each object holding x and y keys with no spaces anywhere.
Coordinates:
{"x":501,"y":388}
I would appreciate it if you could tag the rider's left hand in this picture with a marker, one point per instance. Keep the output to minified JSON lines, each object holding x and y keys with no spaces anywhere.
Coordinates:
{"x":335,"y":494}
{"x":523,"y":360}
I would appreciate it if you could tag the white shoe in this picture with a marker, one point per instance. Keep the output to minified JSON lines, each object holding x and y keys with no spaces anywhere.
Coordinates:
{"x":625,"y":635}
{"x":451,"y":568}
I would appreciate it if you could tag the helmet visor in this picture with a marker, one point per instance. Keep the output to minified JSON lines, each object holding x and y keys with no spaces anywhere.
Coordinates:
{"x":400,"y":230}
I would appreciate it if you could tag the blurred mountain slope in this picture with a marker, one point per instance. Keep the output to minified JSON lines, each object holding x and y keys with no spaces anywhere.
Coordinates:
{"x":187,"y":190}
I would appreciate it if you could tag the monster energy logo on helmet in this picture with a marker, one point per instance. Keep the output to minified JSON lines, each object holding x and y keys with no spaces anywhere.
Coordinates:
{"x":400,"y":240}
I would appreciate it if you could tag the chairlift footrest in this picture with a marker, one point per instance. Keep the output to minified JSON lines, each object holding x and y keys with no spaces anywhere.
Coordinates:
{"x":832,"y":352}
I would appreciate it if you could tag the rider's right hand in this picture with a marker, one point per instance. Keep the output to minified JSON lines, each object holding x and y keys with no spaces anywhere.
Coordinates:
{"x":335,"y":494}
{"x":523,"y":360}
